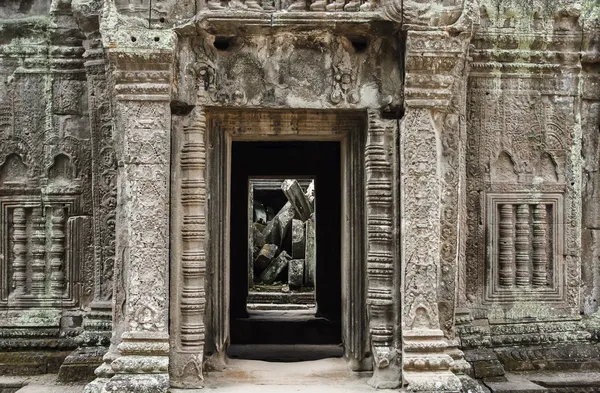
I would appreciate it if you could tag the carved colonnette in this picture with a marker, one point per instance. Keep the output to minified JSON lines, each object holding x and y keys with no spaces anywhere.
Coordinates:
{"x":383,"y":272}
{"x":188,"y":250}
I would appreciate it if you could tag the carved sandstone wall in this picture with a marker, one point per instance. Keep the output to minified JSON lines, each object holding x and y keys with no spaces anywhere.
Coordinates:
{"x":478,"y":168}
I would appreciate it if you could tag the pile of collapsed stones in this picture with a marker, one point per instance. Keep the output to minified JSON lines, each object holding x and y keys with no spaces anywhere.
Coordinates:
{"x":284,"y":246}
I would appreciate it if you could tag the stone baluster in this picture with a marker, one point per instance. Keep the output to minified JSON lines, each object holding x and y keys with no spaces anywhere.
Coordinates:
{"x":522,"y":277}
{"x":19,"y":248}
{"x":506,"y":239}
{"x":38,"y":252}
{"x":57,"y":252}
{"x":540,"y":242}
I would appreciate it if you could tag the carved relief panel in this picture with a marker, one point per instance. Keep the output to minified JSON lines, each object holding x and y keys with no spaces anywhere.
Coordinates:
{"x":45,"y":191}
{"x":522,"y":253}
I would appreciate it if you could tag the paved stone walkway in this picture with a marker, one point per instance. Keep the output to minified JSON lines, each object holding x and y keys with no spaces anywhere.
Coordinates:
{"x":319,"y":376}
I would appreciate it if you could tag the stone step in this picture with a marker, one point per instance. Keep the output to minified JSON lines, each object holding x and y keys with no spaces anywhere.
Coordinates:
{"x":46,"y":383}
{"x":547,"y":381}
{"x":51,"y":389}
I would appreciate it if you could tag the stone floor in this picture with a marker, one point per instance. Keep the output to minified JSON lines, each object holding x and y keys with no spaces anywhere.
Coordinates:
{"x":320,"y":376}
{"x":249,"y":376}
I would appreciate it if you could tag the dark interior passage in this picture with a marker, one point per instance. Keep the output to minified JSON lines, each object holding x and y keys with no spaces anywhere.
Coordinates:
{"x":320,"y":161}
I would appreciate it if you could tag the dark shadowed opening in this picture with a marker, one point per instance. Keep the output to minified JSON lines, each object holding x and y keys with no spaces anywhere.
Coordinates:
{"x":321,"y":161}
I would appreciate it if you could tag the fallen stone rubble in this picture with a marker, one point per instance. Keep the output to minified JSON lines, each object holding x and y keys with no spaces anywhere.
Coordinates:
{"x":284,"y":244}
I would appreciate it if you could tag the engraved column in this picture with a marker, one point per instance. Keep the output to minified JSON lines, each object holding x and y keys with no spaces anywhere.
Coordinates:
{"x":506,"y":253}
{"x":540,"y":243}
{"x":38,"y":253}
{"x":142,"y":70}
{"x":19,"y":247}
{"x":57,"y":251}
{"x":522,"y":246}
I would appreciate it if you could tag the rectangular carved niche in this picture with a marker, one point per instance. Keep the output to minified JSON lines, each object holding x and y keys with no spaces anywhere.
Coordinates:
{"x":39,"y":252}
{"x":525,"y":248}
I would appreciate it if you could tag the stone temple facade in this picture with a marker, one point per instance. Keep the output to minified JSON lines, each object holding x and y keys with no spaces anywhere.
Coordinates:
{"x":470,"y":179}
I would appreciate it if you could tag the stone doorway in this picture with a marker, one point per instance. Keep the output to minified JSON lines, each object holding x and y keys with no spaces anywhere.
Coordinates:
{"x":346,"y":131}
{"x":272,"y":306}
{"x":368,"y":285}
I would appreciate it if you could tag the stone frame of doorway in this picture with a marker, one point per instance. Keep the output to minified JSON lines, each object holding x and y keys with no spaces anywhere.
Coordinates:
{"x":346,"y":127}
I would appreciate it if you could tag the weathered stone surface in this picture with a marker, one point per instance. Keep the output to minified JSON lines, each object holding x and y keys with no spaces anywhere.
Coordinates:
{"x":258,"y":239}
{"x":278,"y":227}
{"x":298,"y":239}
{"x":470,"y":179}
{"x":310,"y":253}
{"x":275,"y":269}
{"x":260,"y":214}
{"x":485,"y":363}
{"x":296,"y":197}
{"x":265,"y":256}
{"x":296,"y":273}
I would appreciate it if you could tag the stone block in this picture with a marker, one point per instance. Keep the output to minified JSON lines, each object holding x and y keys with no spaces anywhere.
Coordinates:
{"x":258,"y":241}
{"x":12,"y":384}
{"x":310,"y":254}
{"x":485,"y":363}
{"x":296,"y":273}
{"x":81,"y":364}
{"x":265,"y":256}
{"x":277,"y":228}
{"x":298,"y":242}
{"x":299,"y":201}
{"x":275,"y":268}
{"x":515,"y":384}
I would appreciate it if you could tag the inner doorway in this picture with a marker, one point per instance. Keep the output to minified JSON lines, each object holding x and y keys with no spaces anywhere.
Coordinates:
{"x":269,"y":308}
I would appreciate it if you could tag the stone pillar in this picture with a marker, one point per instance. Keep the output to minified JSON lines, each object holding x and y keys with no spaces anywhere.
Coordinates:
{"x":94,"y":340}
{"x":434,"y":65}
{"x":141,"y":65}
